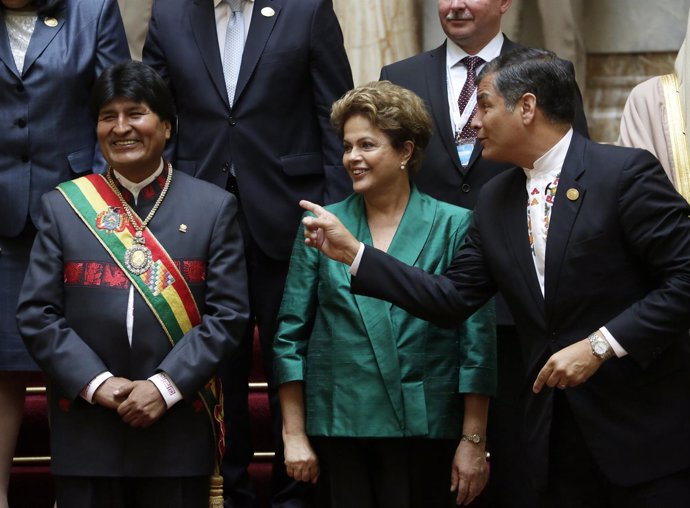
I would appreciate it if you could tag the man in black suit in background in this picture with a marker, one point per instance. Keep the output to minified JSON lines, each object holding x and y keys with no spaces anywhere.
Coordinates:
{"x":253,"y":116}
{"x":454,"y":171}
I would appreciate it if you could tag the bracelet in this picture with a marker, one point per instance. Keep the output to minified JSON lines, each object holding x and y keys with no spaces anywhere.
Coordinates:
{"x":473,"y":438}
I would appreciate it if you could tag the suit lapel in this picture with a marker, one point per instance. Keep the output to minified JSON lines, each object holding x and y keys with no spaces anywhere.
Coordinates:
{"x":436,"y":82}
{"x":40,"y":39}
{"x":514,"y":215}
{"x":203,"y":21}
{"x":259,"y":32}
{"x":5,"y":50}
{"x":563,"y":216}
{"x":376,"y":316}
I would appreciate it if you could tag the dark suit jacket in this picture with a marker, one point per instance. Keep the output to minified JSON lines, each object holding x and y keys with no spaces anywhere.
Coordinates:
{"x":72,"y":314}
{"x":277,"y":134}
{"x":48,"y":135}
{"x":617,"y":256}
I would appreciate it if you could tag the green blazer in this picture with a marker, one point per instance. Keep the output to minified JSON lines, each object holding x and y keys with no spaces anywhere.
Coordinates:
{"x":371,"y":369}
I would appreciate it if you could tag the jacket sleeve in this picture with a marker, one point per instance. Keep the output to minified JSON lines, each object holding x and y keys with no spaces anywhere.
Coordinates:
{"x":57,"y":348}
{"x":477,"y":342}
{"x":445,"y":300}
{"x":654,"y":219}
{"x":297,"y":311}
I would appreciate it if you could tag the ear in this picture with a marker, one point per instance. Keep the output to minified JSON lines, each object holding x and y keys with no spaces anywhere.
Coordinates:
{"x":406,"y":151}
{"x":528,"y":107}
{"x":168,"y":129}
{"x":505,"y":4}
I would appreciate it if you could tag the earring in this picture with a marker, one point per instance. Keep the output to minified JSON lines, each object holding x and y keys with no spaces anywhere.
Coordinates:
{"x":402,"y":166}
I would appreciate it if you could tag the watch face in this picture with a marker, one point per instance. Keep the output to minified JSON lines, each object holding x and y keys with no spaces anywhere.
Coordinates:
{"x":600,"y":348}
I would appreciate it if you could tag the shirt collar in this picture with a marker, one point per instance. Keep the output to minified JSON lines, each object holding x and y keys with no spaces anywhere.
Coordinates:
{"x":135,"y":187}
{"x":216,"y":3}
{"x":553,"y":159}
{"x":455,"y":53}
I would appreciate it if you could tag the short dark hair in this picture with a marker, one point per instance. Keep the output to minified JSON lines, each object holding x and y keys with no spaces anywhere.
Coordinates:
{"x":394,"y":110}
{"x":135,"y":81}
{"x":536,"y":71}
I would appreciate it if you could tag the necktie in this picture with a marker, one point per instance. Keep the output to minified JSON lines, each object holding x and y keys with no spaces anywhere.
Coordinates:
{"x":234,"y":45}
{"x":471,"y":62}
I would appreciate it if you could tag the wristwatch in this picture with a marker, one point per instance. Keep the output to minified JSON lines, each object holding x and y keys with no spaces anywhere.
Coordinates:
{"x":473,"y":438}
{"x":600,"y":347}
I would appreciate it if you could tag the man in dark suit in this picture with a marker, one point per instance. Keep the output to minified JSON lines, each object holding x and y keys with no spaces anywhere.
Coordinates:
{"x":264,"y":135}
{"x":128,"y":331}
{"x":602,"y":314}
{"x":439,"y":76}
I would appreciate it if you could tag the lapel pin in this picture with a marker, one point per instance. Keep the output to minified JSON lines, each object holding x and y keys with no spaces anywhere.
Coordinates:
{"x":51,"y":22}
{"x":183,"y":228}
{"x":572,"y":194}
{"x":267,"y":12}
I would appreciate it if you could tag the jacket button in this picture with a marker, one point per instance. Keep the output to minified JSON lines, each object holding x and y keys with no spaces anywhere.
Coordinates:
{"x":232,"y":121}
{"x":465,"y":188}
{"x":25,"y":158}
{"x":225,"y":168}
{"x":21,"y":122}
{"x":20,"y":87}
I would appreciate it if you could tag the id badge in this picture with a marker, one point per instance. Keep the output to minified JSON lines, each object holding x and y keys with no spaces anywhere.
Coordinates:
{"x":465,"y":152}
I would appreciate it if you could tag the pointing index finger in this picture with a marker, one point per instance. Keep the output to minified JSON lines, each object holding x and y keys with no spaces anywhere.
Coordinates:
{"x":312,"y":207}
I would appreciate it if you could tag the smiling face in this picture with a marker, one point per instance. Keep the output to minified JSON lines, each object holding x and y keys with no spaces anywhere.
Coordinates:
{"x":131,"y":137}
{"x":498,"y":129}
{"x":471,"y":24}
{"x":371,"y":160}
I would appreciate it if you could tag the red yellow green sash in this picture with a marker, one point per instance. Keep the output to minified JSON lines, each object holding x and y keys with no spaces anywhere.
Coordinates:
{"x":162,"y":287}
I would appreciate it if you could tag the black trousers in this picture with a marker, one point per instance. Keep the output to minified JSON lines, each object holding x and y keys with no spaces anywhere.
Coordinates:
{"x":105,"y":492}
{"x":575,"y":480}
{"x":385,"y":472}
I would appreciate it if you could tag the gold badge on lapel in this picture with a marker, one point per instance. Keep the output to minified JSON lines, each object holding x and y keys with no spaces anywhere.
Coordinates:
{"x":572,"y":194}
{"x":51,"y":22}
{"x":267,"y":12}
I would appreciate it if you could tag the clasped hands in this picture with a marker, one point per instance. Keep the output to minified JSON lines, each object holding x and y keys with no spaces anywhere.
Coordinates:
{"x":139,"y":403}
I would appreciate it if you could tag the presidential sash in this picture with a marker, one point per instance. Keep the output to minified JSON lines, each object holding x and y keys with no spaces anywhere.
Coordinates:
{"x":162,"y":286}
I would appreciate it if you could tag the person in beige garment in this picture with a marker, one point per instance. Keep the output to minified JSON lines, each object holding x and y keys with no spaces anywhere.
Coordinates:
{"x":654,"y":119}
{"x":135,"y":16}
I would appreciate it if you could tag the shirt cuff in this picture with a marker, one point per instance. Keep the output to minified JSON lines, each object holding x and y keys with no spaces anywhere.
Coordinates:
{"x":171,"y":395}
{"x":355,"y":262}
{"x":90,"y":389}
{"x":615,"y":345}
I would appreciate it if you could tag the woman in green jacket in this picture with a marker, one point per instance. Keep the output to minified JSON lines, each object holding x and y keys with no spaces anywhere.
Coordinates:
{"x":389,"y":409}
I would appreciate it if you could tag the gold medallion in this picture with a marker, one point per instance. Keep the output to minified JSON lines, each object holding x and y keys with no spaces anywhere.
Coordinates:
{"x":51,"y":22}
{"x":572,"y":194}
{"x":138,"y":259}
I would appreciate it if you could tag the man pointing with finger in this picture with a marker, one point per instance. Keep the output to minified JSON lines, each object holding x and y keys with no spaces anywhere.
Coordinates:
{"x":590,"y":245}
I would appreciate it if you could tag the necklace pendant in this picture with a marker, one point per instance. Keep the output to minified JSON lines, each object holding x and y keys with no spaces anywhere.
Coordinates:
{"x":139,"y":238}
{"x":138,"y":259}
